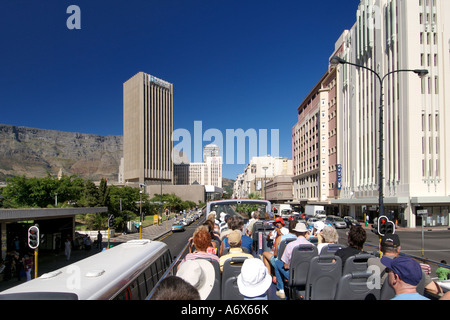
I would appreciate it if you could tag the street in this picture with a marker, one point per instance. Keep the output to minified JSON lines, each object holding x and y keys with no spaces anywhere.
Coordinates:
{"x":436,"y":244}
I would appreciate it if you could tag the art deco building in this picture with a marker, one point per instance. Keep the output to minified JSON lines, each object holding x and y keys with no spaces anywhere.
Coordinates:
{"x":147,"y":130}
{"x":392,"y":35}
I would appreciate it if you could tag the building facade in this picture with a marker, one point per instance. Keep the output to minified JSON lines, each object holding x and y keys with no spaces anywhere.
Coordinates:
{"x":314,"y":145}
{"x":258,"y":173}
{"x":208,"y":172}
{"x":147,"y":130}
{"x":391,"y":35}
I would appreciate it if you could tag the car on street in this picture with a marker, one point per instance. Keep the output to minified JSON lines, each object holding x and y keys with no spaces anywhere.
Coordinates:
{"x":178,"y":226}
{"x":351,"y":221}
{"x":336,"y":222}
{"x":310,"y":222}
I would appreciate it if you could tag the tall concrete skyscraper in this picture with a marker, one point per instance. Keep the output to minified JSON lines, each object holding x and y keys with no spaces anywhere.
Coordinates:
{"x":147,"y":130}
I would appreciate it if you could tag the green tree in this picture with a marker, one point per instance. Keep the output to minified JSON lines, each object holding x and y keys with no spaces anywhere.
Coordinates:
{"x":90,"y":195}
{"x":103,"y":191}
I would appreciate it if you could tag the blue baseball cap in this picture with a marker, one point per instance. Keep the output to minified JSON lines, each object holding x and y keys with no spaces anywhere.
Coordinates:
{"x":407,"y":269}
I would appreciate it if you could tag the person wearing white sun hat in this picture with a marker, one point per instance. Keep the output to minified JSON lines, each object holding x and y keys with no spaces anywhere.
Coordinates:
{"x":200,"y":274}
{"x":254,"y":280}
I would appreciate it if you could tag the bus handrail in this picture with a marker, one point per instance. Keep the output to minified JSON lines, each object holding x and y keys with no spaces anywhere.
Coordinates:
{"x":172,"y":266}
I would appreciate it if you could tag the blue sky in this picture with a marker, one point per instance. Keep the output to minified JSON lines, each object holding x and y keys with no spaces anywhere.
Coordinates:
{"x":236,"y":64}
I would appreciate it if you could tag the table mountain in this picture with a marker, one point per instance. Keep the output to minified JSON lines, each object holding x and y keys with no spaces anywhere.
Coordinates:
{"x":36,"y":152}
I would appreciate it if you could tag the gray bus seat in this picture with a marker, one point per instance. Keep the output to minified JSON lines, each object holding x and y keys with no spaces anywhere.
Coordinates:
{"x":357,"y":263}
{"x":298,"y":268}
{"x":324,"y":274}
{"x":231,"y":270}
{"x":354,"y":286}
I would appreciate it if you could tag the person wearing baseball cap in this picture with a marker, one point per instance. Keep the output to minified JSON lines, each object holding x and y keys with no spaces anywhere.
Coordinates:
{"x":235,"y":241}
{"x":404,"y":275}
{"x":390,"y":248}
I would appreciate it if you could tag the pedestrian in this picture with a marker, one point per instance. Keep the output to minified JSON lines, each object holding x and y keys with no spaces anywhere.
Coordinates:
{"x":18,"y":266}
{"x":404,"y":275}
{"x":99,"y":240}
{"x":254,"y":280}
{"x":67,"y":248}
{"x":87,"y":242}
{"x":28,"y":266}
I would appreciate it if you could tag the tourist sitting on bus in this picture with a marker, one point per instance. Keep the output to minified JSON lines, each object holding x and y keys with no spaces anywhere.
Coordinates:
{"x":237,"y":223}
{"x":269,"y":257}
{"x":282,"y":265}
{"x":234,"y":240}
{"x":251,"y":222}
{"x":404,"y":275}
{"x":200,"y":274}
{"x":175,"y":288}
{"x":390,"y":248}
{"x":328,"y":235}
{"x":215,"y":239}
{"x":202,"y":243}
{"x":356,"y":238}
{"x":254,"y":280}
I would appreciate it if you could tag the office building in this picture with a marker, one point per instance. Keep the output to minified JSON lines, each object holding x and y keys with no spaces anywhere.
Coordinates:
{"x":147,"y":130}
{"x":314,"y":145}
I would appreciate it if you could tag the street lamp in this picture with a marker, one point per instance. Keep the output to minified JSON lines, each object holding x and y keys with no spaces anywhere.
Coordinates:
{"x":141,"y":185}
{"x":334,"y":61}
{"x":265,"y":171}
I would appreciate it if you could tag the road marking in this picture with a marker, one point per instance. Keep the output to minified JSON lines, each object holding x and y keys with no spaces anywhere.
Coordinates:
{"x":160,"y":239}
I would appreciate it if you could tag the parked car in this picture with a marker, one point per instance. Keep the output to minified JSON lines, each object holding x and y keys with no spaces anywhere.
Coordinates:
{"x":351,"y":221}
{"x":178,"y":226}
{"x":336,"y":222}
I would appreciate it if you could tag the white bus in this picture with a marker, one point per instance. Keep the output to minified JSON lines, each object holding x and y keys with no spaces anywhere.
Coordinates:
{"x":128,"y":271}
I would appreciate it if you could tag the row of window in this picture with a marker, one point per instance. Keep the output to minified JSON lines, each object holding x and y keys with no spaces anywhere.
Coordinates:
{"x":140,"y":288}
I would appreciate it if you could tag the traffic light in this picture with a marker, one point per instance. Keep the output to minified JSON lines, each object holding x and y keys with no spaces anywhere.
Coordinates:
{"x":382,"y":223}
{"x":111,"y":221}
{"x":385,"y":226}
{"x":390,"y":227}
{"x":33,"y":237}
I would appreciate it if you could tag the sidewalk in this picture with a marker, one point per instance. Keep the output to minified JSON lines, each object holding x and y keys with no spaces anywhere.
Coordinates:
{"x":50,"y":261}
{"x":412,"y":229}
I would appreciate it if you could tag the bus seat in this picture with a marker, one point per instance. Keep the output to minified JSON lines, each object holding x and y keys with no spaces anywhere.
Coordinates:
{"x":283,"y":245}
{"x":299,"y":266}
{"x":331,"y":248}
{"x":357,"y":263}
{"x":231,"y":270}
{"x":323,"y":276}
{"x":353,"y":286}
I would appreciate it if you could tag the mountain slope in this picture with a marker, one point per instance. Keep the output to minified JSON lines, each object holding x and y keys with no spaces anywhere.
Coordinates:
{"x":34,"y":152}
